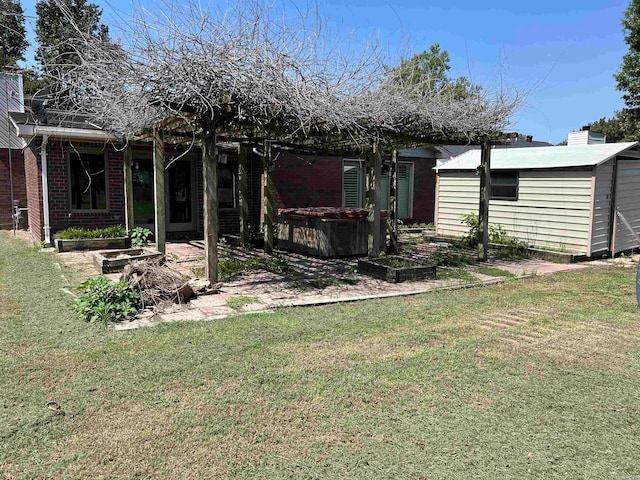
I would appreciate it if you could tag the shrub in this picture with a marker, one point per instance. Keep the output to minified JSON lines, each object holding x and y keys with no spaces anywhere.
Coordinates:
{"x":140,"y":236}
{"x":497,"y":234}
{"x":84,"y":234}
{"x":104,"y":301}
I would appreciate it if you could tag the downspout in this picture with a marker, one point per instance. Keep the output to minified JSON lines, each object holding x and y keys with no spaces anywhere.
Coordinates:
{"x":45,"y":189}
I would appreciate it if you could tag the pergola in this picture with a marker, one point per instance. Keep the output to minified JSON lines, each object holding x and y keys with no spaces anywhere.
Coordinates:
{"x":256,"y":77}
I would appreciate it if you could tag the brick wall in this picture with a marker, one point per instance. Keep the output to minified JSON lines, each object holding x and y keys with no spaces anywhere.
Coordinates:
{"x":316,"y":181}
{"x":61,"y":216}
{"x":33,"y":177}
{"x":12,"y":166}
{"x":307,"y":181}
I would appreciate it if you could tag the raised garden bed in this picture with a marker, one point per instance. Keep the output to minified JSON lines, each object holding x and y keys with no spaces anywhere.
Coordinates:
{"x":64,"y":245}
{"x":115,"y":260}
{"x":395,"y":269}
{"x":326,"y":232}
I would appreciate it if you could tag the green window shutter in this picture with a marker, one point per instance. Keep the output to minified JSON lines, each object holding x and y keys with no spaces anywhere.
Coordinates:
{"x":352,"y":184}
{"x":404,"y":190}
{"x":384,"y":191}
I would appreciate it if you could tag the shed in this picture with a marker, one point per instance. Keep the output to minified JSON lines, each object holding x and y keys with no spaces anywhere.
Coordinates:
{"x":562,"y":198}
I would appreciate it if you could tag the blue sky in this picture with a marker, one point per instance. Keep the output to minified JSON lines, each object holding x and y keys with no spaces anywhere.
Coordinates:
{"x":563,"y":53}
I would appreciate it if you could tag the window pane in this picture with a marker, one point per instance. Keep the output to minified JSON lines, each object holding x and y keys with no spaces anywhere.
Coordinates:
{"x":226,"y":184}
{"x":88,"y":181}
{"x":504,"y":185}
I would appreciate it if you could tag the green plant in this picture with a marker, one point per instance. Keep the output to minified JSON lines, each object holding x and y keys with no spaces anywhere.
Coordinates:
{"x":104,"y":301}
{"x":272,"y":263}
{"x":140,"y":236}
{"x":85,"y":234}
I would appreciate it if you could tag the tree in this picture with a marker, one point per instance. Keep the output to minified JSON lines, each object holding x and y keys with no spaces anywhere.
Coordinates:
{"x":628,"y":76}
{"x":614,"y":128}
{"x":428,"y":72}
{"x":12,"y":33}
{"x":59,"y":23}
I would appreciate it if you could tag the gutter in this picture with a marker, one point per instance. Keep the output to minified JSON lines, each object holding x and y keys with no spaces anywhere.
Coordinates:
{"x":78,"y":133}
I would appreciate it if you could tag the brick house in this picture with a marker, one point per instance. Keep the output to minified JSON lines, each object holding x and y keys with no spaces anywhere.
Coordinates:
{"x":12,"y":174}
{"x":70,"y":173}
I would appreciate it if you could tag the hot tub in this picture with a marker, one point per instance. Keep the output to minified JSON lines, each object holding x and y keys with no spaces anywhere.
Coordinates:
{"x":326,"y":231}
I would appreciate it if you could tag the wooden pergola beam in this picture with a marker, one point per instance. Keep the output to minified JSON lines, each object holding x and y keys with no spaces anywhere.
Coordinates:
{"x":268,"y":200}
{"x":243,"y":180}
{"x":160,"y":198}
{"x":485,"y":194}
{"x":128,"y":189}
{"x":210,"y":183}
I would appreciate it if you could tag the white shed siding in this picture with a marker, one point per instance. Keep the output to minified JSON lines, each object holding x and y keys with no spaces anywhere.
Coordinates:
{"x":552,"y":210}
{"x":601,"y":224}
{"x":627,"y":203}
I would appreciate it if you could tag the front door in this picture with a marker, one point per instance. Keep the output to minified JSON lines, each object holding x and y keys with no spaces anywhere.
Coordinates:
{"x":181,"y":206}
{"x":180,"y":195}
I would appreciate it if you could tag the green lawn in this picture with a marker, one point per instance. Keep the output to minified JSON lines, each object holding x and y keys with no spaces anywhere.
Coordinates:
{"x":533,"y":378}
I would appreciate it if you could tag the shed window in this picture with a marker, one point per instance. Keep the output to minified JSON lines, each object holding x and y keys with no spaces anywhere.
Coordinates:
{"x":504,"y":185}
{"x":88,"y":179}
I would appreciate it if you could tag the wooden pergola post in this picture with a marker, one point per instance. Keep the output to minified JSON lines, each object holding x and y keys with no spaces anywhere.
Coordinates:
{"x":374,"y":171}
{"x":392,"y":217}
{"x":160,"y":198}
{"x":485,"y":194}
{"x":243,"y":180}
{"x":128,"y":189}
{"x":210,"y":184}
{"x":269,"y":231}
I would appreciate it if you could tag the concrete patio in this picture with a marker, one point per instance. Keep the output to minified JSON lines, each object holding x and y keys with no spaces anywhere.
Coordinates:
{"x":312,"y":281}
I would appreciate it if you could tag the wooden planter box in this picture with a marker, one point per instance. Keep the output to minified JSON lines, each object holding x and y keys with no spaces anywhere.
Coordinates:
{"x":92,"y":244}
{"x":115,"y":260}
{"x":396,"y":274}
{"x":325,"y":237}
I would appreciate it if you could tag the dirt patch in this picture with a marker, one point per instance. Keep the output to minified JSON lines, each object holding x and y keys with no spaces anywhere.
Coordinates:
{"x":192,"y":440}
{"x":7,"y":305}
{"x":594,"y":345}
{"x":52,"y":368}
{"x":342,"y":354}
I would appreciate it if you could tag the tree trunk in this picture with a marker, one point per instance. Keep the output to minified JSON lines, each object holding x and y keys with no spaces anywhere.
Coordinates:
{"x":485,"y":194}
{"x":243,"y":180}
{"x":269,"y":231}
{"x":373,"y":200}
{"x":210,"y":180}
{"x":160,"y":201}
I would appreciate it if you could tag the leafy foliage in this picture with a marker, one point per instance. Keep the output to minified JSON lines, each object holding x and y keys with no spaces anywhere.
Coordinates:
{"x":429,"y":72}
{"x":13,"y":36}
{"x":628,"y":76}
{"x":55,"y":31}
{"x":104,"y":301}
{"x":84,"y":234}
{"x":140,"y":236}
{"x":497,"y":234}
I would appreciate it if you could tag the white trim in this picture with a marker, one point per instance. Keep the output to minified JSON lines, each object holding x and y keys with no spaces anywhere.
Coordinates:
{"x":62,"y":132}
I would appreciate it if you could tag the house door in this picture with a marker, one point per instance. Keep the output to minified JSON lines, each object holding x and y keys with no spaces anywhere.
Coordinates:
{"x":181,"y":196}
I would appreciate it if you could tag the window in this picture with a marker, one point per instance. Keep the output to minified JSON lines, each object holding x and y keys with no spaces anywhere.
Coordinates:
{"x":88,"y":180}
{"x":404,"y":196}
{"x":504,"y":185}
{"x":227,"y":185}
{"x":352,"y":183}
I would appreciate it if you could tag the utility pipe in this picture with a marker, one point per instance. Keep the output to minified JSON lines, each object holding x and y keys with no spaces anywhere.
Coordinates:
{"x":45,"y":189}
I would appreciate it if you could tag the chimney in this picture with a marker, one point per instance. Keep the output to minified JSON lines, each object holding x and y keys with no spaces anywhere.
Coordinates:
{"x":586,"y":137}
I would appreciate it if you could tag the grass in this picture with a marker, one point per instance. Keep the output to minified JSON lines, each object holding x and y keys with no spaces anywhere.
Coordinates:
{"x":238,"y":301}
{"x":534,"y":378}
{"x":493,"y":271}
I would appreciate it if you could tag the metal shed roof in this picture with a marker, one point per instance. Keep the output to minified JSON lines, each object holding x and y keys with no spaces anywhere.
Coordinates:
{"x":540,"y":157}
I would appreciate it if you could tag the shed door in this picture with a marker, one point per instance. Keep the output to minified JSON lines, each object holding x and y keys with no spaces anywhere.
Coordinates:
{"x":601,"y":220}
{"x":627,"y":203}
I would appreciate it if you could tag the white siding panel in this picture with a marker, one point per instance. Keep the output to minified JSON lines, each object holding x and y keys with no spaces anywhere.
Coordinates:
{"x":552,"y":210}
{"x":600,"y":229}
{"x":627,"y":203}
